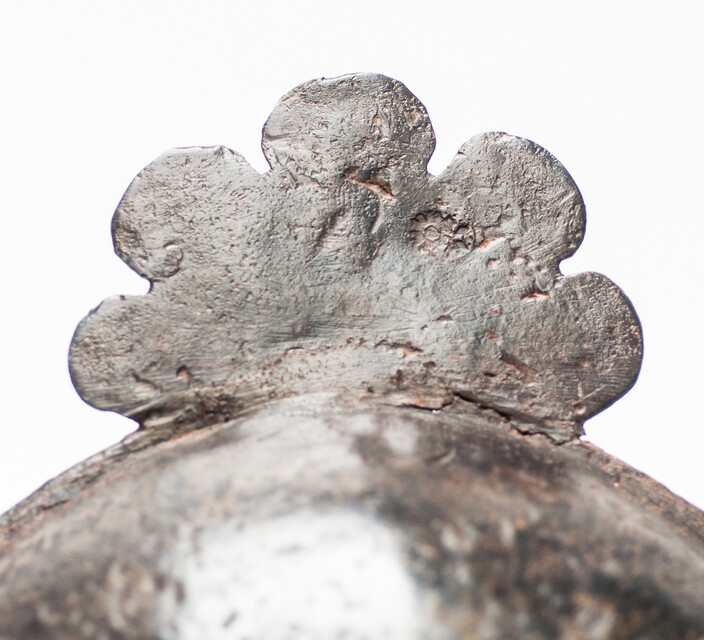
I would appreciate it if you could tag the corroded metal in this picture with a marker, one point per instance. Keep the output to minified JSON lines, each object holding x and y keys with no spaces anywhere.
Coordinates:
{"x":360,"y":390}
{"x":348,"y":266}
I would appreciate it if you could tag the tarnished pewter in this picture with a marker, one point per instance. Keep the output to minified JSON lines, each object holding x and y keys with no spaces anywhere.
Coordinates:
{"x":360,"y":390}
{"x":348,"y":267}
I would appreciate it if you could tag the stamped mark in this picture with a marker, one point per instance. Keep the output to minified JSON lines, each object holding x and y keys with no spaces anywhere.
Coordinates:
{"x":441,"y":235}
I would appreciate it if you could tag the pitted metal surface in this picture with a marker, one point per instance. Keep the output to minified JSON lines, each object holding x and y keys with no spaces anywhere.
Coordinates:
{"x":348,"y":267}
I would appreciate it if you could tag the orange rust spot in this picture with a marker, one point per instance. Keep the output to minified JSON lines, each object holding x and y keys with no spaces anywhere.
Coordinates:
{"x":373,"y":180}
{"x":487,"y":242}
{"x":520,"y":367}
{"x":536,"y":294}
{"x":184,"y":374}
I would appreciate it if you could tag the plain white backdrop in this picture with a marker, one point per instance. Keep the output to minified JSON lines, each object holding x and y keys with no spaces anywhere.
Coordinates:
{"x":93,"y":91}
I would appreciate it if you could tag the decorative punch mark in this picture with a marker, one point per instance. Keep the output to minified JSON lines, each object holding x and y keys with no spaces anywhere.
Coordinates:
{"x":440,"y":235}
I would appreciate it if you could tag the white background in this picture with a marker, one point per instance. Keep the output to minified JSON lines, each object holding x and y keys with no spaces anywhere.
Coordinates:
{"x":93,"y":91}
